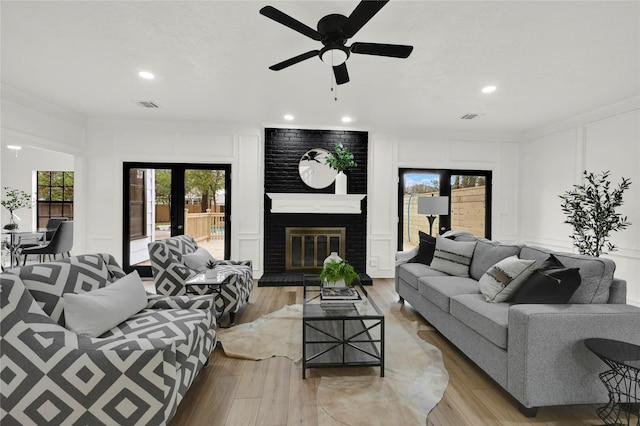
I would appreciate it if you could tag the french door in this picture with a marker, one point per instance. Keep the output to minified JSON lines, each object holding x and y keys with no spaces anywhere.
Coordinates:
{"x":161,"y":200}
{"x":469,"y":203}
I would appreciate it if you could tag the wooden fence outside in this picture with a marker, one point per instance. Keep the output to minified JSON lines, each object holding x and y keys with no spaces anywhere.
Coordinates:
{"x":467,"y":214}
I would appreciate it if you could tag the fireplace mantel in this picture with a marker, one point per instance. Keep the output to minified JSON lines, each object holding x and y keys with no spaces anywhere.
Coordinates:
{"x":315,"y":203}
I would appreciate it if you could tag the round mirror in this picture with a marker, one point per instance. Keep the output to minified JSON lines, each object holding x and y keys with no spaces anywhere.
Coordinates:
{"x":313,"y":169}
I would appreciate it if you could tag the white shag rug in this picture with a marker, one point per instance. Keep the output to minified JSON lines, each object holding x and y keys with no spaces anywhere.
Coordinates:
{"x":415,"y":376}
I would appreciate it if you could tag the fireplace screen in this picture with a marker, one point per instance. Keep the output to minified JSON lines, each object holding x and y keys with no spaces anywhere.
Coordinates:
{"x":306,"y":248}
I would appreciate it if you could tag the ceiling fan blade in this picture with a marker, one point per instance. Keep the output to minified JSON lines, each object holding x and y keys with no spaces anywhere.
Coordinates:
{"x":341,"y":73}
{"x":379,"y":49}
{"x":294,"y":60}
{"x":363,"y":12}
{"x":288,"y":21}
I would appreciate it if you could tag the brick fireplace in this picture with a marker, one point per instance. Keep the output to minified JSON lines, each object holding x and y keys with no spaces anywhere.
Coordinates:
{"x":283,"y":150}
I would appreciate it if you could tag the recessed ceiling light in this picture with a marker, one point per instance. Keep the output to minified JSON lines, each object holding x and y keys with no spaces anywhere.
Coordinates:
{"x":346,"y":119}
{"x":288,"y":117}
{"x":489,"y":89}
{"x":14,"y":147}
{"x":146,"y":75}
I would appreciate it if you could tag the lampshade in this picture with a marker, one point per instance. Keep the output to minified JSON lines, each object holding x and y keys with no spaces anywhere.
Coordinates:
{"x":433,"y":205}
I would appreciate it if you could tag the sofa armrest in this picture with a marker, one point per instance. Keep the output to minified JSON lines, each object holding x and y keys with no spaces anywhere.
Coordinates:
{"x":156,"y":301}
{"x":406,"y":255}
{"x":234,"y":262}
{"x":548,"y":362}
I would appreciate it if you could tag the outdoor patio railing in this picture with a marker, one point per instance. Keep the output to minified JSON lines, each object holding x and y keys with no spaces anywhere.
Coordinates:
{"x":203,"y":226}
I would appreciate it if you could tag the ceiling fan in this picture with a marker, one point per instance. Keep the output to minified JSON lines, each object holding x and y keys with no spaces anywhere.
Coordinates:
{"x":333,"y":31}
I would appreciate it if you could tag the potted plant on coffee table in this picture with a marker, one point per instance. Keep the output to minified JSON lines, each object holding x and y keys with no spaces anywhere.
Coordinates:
{"x":338,"y":274}
{"x":341,"y":160}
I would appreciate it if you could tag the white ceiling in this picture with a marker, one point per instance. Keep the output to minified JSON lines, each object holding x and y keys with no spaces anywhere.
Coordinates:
{"x":549,"y":59}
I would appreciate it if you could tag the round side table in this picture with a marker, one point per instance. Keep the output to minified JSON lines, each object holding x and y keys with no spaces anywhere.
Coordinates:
{"x":622,"y":380}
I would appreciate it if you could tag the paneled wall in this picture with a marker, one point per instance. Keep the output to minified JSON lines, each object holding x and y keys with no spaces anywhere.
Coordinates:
{"x":552,"y":161}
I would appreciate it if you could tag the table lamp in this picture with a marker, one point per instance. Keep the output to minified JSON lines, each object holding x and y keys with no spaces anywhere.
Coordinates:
{"x":432,"y":207}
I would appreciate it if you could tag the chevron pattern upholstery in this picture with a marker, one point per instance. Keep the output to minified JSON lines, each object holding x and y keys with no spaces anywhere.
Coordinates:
{"x":134,"y":374}
{"x":170,"y":273}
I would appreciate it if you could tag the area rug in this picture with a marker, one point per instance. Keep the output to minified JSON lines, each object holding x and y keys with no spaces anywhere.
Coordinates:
{"x":415,"y":376}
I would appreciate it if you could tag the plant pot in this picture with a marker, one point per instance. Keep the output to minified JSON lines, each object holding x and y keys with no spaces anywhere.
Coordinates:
{"x":341,"y":184}
{"x":339,"y":283}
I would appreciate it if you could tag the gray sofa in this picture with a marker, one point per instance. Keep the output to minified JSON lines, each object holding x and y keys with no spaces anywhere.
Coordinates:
{"x":136,"y":373}
{"x":534,"y":351}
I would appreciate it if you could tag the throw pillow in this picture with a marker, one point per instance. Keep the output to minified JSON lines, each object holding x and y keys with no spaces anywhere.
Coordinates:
{"x":502,"y":280}
{"x":551,"y":283}
{"x":453,"y":257}
{"x":425,"y":250}
{"x":95,"y":312}
{"x":198,"y":260}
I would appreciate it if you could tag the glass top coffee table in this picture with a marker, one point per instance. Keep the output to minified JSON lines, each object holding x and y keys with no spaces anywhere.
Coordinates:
{"x":340,"y":333}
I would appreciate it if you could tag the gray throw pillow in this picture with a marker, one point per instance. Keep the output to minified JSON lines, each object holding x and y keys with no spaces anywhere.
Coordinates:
{"x":198,"y":260}
{"x":453,"y":257}
{"x":95,"y":312}
{"x":504,"y":278}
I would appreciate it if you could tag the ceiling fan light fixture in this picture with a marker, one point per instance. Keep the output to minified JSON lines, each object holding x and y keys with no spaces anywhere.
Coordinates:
{"x":334,"y":55}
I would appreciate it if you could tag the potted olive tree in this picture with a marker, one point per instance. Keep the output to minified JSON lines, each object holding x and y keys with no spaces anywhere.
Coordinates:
{"x":591,"y":211}
{"x":341,"y":160}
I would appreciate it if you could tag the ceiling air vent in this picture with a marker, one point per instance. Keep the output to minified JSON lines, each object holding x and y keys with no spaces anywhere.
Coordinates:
{"x":469,"y":116}
{"x":148,"y":104}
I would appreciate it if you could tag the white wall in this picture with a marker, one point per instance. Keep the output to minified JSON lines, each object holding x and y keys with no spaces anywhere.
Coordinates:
{"x":426,"y":150}
{"x":552,"y":161}
{"x":50,"y":137}
{"x":110,"y":143}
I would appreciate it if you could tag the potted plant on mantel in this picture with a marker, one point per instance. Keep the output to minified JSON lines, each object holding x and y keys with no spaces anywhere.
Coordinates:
{"x":15,"y":199}
{"x":341,"y":160}
{"x":591,"y":211}
{"x":338,"y":274}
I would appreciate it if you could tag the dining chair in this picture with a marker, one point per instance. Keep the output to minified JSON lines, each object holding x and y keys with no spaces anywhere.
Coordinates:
{"x":52,"y":225}
{"x":61,"y":242}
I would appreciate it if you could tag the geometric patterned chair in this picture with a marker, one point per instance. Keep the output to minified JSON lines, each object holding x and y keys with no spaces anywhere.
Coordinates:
{"x":135,"y":373}
{"x":170,"y":273}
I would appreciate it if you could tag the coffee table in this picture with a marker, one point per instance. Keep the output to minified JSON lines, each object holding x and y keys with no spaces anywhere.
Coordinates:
{"x":340,"y":334}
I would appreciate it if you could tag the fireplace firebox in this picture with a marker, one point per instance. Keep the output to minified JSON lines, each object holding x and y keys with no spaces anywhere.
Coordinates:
{"x":306,"y":248}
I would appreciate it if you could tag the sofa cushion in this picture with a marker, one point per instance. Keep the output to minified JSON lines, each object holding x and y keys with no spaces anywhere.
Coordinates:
{"x":198,"y":260}
{"x":551,"y":286}
{"x":410,"y":272}
{"x":47,"y":282}
{"x":504,"y":278}
{"x":596,"y":273}
{"x":453,"y":257}
{"x":185,"y":327}
{"x":425,"y":250}
{"x":94,"y":312}
{"x":488,"y":319}
{"x":487,"y":254}
{"x":440,"y":289}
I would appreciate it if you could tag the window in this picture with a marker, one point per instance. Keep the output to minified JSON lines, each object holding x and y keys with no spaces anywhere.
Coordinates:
{"x":55,"y":196}
{"x":137,"y":203}
{"x":469,"y":193}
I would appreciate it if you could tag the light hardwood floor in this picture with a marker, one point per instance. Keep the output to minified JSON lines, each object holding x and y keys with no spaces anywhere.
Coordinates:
{"x":272,"y":392}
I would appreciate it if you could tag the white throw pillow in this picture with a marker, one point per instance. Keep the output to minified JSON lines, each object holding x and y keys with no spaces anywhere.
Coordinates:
{"x":453,"y":257}
{"x":501,"y":281}
{"x":198,"y":260}
{"x":95,"y":312}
